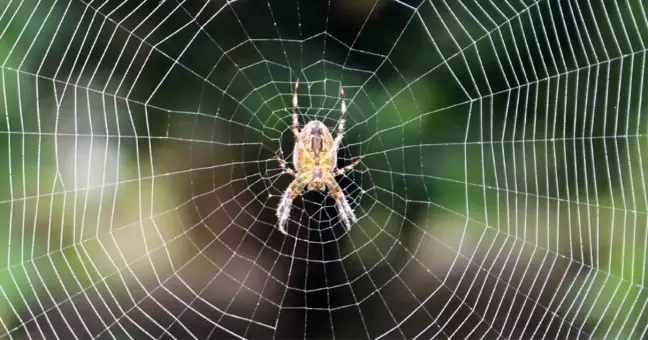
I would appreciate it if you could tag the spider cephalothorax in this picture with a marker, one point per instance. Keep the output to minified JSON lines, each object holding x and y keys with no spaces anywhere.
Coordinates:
{"x":315,"y":159}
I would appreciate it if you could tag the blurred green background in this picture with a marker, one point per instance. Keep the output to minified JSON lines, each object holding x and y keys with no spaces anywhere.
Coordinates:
{"x":501,"y":191}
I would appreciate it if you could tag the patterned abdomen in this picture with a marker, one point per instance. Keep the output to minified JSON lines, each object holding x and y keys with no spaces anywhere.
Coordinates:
{"x":315,"y":141}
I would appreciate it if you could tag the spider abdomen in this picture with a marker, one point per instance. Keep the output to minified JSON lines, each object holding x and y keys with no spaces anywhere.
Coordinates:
{"x":315,"y":139}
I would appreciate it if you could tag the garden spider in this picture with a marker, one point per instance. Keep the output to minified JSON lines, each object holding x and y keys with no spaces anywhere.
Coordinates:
{"x":315,"y":160}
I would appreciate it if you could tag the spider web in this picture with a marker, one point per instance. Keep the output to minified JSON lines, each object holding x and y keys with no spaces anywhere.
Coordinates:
{"x":501,"y":191}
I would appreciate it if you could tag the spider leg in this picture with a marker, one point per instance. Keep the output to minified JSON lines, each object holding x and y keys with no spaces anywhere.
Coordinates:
{"x":295,"y":120}
{"x":347,"y":168}
{"x":295,"y":110}
{"x":283,"y":210}
{"x":343,"y":110}
{"x":341,"y":122}
{"x":344,"y":209}
{"x":340,"y":129}
{"x":285,"y":167}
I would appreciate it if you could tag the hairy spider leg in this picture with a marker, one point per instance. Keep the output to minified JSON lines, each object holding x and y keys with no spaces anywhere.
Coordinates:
{"x":295,"y":121}
{"x":283,"y":210}
{"x":340,"y":135}
{"x":342,"y":121}
{"x":347,"y":168}
{"x":343,"y":207}
{"x":340,"y":129}
{"x":285,"y":167}
{"x":295,"y":118}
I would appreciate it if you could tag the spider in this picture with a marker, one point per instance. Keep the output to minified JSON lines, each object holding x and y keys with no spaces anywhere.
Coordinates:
{"x":315,"y":159}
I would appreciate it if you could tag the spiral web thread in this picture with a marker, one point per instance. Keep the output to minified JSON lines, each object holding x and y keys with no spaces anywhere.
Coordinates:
{"x":516,"y":208}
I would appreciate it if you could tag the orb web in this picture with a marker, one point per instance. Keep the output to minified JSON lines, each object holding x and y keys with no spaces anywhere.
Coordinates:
{"x":501,"y":192}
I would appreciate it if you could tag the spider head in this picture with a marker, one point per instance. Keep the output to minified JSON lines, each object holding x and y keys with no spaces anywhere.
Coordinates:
{"x":318,"y":180}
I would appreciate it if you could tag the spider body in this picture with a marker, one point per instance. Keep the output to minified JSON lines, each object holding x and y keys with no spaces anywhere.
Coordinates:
{"x":317,"y":141}
{"x":315,"y":160}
